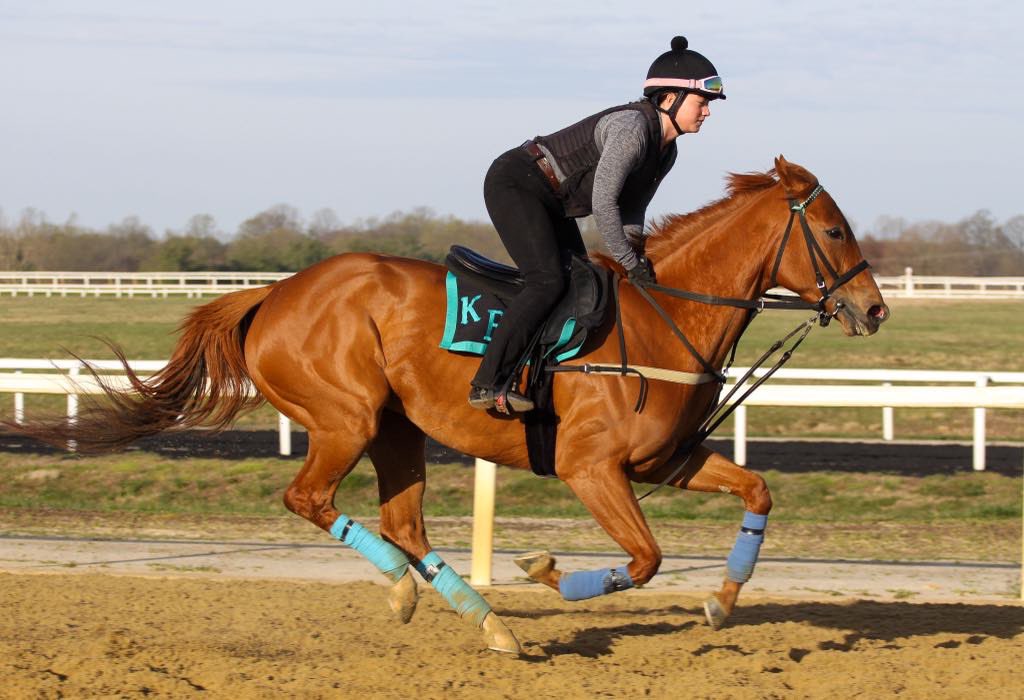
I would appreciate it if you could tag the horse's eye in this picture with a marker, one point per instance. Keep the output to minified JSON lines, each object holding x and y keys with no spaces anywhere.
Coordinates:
{"x":835,"y":232}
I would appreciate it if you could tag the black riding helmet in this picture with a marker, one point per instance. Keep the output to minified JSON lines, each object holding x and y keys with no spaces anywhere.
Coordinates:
{"x":681,"y":70}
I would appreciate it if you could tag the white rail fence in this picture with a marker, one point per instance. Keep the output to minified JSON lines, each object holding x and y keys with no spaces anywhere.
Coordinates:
{"x":825,"y":388}
{"x":199,"y":284}
{"x":132,"y":284}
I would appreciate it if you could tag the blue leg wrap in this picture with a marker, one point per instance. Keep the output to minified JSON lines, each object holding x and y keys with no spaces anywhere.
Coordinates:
{"x":740,"y":564}
{"x":391,"y":561}
{"x":581,"y":585}
{"x":460,"y":595}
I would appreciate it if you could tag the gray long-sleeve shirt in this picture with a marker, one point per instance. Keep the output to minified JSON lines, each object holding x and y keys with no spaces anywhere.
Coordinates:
{"x":622,"y":140}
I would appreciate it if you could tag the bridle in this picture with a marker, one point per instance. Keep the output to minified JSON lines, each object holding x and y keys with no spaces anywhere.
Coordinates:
{"x":815,"y":252}
{"x":777,"y":301}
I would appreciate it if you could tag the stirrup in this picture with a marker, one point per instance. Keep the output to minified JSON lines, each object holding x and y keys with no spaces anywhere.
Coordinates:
{"x":509,"y":402}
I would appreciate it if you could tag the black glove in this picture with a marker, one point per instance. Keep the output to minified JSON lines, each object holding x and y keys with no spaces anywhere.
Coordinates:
{"x":642,"y":274}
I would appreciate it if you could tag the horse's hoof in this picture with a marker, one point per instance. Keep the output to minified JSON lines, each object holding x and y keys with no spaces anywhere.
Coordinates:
{"x":536,"y":564}
{"x":499,"y":637}
{"x":403,"y":596}
{"x":715,"y":613}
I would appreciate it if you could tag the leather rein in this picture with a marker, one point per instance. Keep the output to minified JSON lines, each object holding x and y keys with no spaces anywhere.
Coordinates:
{"x":719,"y":408}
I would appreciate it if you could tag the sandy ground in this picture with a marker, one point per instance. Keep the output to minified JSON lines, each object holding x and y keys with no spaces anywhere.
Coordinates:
{"x":273,"y":619}
{"x":69,"y":635}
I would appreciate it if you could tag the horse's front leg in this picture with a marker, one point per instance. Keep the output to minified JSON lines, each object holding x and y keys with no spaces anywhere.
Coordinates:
{"x":711,"y":472}
{"x":606,"y":492}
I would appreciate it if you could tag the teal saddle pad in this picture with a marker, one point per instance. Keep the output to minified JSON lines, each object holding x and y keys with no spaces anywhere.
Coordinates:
{"x":476,"y":302}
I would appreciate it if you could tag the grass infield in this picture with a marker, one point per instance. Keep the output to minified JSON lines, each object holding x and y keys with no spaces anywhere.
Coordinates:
{"x":968,"y":516}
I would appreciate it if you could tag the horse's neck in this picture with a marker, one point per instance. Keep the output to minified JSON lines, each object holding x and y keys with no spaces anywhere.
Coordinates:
{"x":727,"y":259}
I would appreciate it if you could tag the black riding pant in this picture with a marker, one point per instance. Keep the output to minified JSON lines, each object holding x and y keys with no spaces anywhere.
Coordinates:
{"x":536,"y":233}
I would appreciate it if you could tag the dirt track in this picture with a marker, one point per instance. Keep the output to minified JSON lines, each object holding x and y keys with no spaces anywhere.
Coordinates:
{"x":88,"y":635}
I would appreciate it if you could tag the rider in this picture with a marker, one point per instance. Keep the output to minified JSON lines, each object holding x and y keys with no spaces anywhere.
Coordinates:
{"x":608,"y":165}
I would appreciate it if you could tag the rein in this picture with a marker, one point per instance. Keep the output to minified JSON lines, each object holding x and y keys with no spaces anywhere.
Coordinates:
{"x":719,"y":409}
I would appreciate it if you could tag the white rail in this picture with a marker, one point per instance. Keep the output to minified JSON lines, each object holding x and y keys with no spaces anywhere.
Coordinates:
{"x":132,"y":284}
{"x":888,"y":389}
{"x":197,"y":284}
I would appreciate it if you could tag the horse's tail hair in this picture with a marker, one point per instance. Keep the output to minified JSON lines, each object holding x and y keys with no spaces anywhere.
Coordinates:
{"x":205,"y":383}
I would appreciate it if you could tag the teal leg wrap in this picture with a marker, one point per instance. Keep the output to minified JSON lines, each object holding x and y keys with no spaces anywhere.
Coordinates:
{"x":468,"y":603}
{"x":391,"y":561}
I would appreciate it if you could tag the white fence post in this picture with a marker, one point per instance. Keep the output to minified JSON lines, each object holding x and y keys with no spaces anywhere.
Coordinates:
{"x":739,"y":435}
{"x":483,"y":523}
{"x":979,"y":431}
{"x":19,"y":405}
{"x":887,"y":432}
{"x":284,"y":435}
{"x":73,"y":405}
{"x":909,"y":288}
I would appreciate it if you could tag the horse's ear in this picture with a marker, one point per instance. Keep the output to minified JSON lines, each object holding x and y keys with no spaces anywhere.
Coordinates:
{"x":795,"y":179}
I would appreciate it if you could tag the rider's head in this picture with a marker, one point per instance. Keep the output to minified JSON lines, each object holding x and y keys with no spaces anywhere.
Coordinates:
{"x":683,"y":77}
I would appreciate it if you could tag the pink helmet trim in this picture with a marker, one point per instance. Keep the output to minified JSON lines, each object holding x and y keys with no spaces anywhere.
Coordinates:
{"x":686,"y":83}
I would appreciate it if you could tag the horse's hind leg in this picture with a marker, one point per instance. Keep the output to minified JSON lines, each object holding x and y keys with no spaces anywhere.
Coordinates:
{"x":398,"y":456}
{"x":711,"y":472}
{"x":332,"y":455}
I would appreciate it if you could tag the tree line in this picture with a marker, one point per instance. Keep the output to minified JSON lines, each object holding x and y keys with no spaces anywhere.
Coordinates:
{"x":279,"y":239}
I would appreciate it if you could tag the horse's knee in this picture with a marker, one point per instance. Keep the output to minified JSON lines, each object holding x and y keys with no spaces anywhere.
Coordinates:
{"x":643,"y":568}
{"x":757,"y":498}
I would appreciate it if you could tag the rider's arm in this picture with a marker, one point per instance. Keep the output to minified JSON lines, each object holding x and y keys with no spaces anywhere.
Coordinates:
{"x":635,"y":215}
{"x":622,"y":138}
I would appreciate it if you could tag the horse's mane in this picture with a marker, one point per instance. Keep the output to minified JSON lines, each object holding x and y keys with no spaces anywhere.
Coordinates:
{"x":672,"y":230}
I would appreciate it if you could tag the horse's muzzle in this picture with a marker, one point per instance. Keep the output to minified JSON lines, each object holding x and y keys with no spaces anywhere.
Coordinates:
{"x":859,"y":320}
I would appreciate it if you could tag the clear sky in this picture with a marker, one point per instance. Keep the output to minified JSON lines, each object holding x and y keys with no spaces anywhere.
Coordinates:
{"x":111,"y":108}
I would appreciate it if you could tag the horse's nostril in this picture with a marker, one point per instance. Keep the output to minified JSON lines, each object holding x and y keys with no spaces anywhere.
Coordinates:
{"x":878,"y":312}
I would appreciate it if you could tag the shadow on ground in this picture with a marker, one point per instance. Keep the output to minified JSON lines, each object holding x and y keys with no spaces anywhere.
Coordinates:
{"x":792,"y":457}
{"x":854,"y":622}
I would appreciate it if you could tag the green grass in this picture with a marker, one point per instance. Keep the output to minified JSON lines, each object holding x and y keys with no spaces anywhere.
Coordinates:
{"x":141,"y":482}
{"x":41,"y":327}
{"x":940,"y":335}
{"x":943,"y":335}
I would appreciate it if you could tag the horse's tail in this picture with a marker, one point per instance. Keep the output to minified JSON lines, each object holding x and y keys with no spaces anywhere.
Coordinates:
{"x":204,"y":383}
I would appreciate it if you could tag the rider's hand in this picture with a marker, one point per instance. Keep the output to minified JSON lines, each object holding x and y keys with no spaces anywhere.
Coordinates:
{"x":642,"y":274}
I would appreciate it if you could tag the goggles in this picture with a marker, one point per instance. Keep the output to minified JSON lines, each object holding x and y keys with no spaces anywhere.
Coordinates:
{"x":712,"y":84}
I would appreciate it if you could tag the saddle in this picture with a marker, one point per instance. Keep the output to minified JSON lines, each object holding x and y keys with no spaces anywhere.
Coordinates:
{"x":479,"y":290}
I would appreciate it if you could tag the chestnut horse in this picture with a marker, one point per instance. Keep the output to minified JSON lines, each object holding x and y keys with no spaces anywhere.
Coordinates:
{"x":349,"y":349}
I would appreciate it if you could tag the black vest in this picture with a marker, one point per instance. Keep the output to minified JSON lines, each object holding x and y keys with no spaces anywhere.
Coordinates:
{"x":575,"y":151}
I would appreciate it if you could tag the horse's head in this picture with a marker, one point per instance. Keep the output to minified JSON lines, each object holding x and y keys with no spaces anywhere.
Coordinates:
{"x":819,"y":259}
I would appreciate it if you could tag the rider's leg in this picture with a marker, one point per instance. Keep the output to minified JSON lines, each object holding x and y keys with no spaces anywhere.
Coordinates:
{"x":529,"y":221}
